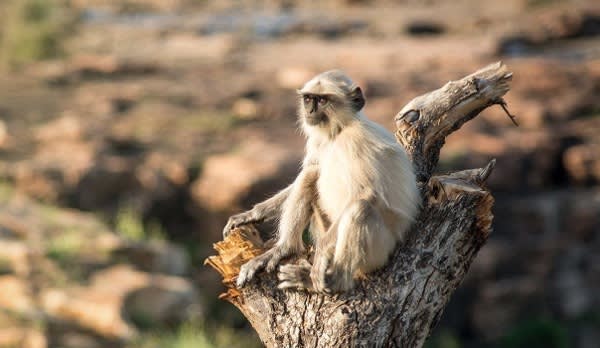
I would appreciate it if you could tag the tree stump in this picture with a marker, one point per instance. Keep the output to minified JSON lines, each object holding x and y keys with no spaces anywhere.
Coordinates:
{"x":398,"y":305}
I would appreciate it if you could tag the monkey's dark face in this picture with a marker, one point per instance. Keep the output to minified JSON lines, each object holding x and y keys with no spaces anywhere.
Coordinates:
{"x":330,"y":101}
{"x":315,"y":106}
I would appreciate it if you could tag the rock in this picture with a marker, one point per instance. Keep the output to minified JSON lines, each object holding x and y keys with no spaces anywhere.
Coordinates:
{"x":190,"y":46}
{"x":258,"y":169}
{"x":22,"y":337}
{"x":245,"y":108}
{"x":67,"y":127}
{"x":157,"y":298}
{"x":3,"y":134}
{"x":12,"y":227}
{"x":167,"y":303}
{"x":98,"y":310}
{"x":94,"y":64}
{"x":78,"y":340}
{"x":293,"y":77}
{"x":155,"y":257}
{"x":424,"y":27}
{"x":117,"y":291}
{"x":90,"y":65}
{"x":550,"y":27}
{"x":15,"y":254}
{"x":582,"y":163}
{"x":16,"y":296}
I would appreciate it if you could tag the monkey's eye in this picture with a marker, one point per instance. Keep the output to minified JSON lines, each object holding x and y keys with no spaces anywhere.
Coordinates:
{"x":307,"y":99}
{"x":322,"y":100}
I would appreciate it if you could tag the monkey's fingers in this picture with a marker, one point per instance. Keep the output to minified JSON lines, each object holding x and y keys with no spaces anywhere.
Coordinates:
{"x":277,"y":255}
{"x":295,"y":277}
{"x":248,"y":270}
{"x":237,"y":221}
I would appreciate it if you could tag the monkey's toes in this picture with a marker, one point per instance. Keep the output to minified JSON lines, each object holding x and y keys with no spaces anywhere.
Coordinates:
{"x":294,"y":277}
{"x":248,"y":270}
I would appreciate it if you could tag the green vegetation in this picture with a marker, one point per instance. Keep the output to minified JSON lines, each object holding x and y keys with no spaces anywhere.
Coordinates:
{"x":65,"y":247}
{"x":217,"y":121}
{"x":542,"y":333}
{"x":194,"y":335}
{"x":540,"y":3}
{"x":6,"y":191}
{"x":5,"y":266}
{"x":32,"y":30}
{"x":129,"y":224}
{"x":444,"y":339}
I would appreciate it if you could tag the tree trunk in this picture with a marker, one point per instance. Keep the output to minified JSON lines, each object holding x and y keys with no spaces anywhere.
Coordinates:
{"x":398,"y":305}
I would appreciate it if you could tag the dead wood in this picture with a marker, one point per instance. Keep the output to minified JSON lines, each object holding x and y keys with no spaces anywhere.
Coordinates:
{"x":398,"y":305}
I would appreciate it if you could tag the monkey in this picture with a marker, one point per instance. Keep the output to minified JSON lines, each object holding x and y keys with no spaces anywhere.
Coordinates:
{"x":356,"y":192}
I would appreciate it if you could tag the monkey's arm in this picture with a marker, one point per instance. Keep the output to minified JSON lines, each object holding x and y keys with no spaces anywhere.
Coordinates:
{"x":264,"y":211}
{"x":296,"y":212}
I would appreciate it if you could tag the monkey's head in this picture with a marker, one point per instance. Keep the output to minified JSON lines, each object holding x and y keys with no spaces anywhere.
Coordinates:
{"x":330,"y":100}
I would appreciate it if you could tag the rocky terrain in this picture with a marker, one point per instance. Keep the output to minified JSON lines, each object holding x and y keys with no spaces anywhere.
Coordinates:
{"x":128,"y":138}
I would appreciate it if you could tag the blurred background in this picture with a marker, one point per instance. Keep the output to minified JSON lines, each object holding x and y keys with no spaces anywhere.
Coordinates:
{"x":130,"y":130}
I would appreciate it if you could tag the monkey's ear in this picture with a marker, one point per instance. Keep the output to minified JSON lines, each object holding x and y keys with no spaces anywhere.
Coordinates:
{"x":357,"y":99}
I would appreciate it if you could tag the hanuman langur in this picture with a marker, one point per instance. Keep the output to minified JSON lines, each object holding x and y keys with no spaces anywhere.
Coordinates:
{"x":356,"y":191}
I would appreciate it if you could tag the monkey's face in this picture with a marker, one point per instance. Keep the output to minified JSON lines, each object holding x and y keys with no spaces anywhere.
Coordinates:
{"x":330,"y":101}
{"x":315,"y":108}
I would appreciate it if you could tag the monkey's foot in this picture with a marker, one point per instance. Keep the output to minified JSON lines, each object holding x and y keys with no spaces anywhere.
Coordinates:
{"x":239,"y":220}
{"x":316,"y":278}
{"x":269,"y":261}
{"x":295,"y":277}
{"x":338,"y":280}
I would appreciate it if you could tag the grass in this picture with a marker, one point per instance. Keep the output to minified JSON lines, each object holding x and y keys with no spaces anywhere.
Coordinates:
{"x":6,"y":191}
{"x":32,"y":30}
{"x":5,"y":266}
{"x":540,"y":333}
{"x":217,"y":121}
{"x":64,"y":247}
{"x":129,"y":225}
{"x":443,"y":339}
{"x":198,"y":335}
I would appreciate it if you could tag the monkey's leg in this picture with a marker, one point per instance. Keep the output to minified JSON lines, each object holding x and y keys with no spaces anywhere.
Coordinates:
{"x":363,"y":243}
{"x":305,"y":276}
{"x":266,"y":210}
{"x":296,"y":212}
{"x":300,"y":276}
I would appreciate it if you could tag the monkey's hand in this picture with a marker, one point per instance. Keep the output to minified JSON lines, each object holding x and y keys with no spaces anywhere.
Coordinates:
{"x":247,"y":217}
{"x":269,"y":261}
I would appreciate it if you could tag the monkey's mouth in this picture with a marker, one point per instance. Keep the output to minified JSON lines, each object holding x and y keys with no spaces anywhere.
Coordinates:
{"x":314,"y":120}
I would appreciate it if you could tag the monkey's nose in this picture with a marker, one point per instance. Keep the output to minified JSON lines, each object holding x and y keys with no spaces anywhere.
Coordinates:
{"x":314,"y":105}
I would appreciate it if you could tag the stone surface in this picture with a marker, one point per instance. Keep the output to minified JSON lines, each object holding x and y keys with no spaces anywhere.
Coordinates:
{"x":229,"y":180}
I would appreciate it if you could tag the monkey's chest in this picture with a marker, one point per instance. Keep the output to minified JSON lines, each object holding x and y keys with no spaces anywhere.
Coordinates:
{"x":339,"y":183}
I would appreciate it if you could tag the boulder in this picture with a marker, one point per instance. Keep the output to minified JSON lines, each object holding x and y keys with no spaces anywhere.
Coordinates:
{"x":158,"y":257}
{"x":16,"y":296}
{"x":22,"y":337}
{"x":120,"y":293}
{"x":258,"y":169}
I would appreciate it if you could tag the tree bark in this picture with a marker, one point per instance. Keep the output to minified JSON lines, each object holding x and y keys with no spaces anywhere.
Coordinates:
{"x":398,"y":305}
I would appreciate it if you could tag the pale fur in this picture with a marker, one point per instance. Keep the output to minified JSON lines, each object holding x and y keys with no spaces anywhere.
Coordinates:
{"x":363,"y":184}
